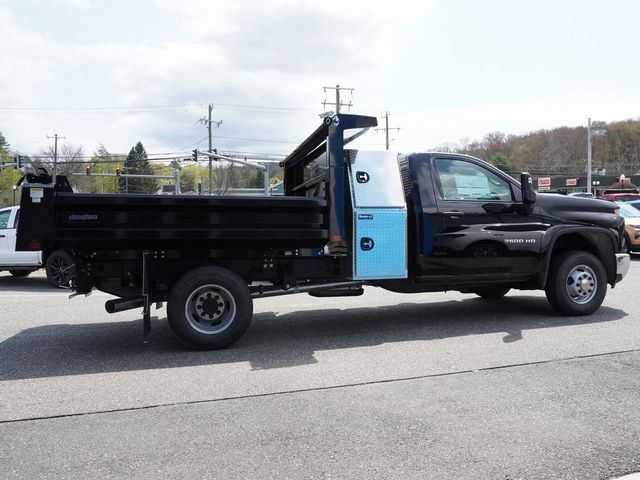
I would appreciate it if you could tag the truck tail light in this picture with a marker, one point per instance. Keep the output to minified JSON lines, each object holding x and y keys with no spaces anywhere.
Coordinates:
{"x":34,"y":245}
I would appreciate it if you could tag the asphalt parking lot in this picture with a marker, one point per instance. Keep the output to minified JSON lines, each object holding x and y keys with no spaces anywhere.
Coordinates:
{"x":380,"y":386}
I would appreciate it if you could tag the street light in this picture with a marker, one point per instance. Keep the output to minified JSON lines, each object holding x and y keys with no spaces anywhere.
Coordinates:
{"x":593,"y":128}
{"x":14,"y":195}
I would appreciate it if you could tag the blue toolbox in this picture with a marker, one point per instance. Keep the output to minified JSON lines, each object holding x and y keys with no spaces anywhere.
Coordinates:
{"x":379,"y":216}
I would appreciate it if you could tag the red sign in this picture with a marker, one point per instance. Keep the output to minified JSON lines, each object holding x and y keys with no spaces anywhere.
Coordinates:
{"x":572,"y":182}
{"x":544,"y":182}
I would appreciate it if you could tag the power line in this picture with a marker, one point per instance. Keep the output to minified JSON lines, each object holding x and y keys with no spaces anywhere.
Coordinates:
{"x":192,"y":145}
{"x":263,"y":107}
{"x":76,"y":109}
{"x":258,"y":140}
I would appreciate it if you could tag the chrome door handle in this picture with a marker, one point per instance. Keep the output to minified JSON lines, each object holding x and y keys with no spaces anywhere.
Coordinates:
{"x":454,"y":212}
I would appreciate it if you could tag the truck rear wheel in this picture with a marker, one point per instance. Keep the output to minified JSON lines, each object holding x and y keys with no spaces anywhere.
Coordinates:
{"x":577,"y":283}
{"x":210,"y":308}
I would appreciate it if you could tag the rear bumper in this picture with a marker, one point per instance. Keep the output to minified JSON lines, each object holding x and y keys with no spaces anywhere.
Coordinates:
{"x":623,"y":260}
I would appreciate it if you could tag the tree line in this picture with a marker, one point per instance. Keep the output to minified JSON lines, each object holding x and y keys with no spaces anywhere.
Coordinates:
{"x":73,"y":163}
{"x":559,"y":151}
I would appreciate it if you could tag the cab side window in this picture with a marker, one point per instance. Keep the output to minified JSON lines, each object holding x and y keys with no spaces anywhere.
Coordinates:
{"x":4,"y":219}
{"x":463,"y":180}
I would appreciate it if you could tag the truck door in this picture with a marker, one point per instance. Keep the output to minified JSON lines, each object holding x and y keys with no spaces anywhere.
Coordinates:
{"x":484,"y":231}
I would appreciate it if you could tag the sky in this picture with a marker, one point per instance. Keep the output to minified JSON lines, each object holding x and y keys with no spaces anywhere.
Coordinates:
{"x":115,"y":72}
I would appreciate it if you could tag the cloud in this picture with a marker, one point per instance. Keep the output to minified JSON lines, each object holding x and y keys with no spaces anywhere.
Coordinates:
{"x":84,"y":5}
{"x":29,"y":60}
{"x":300,"y":37}
{"x":425,"y":130}
{"x":274,"y":54}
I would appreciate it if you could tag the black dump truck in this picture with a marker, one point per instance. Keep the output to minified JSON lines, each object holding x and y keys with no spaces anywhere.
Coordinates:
{"x":421,"y":222}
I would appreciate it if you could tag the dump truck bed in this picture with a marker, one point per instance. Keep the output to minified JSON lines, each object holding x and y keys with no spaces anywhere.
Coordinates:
{"x":97,"y":221}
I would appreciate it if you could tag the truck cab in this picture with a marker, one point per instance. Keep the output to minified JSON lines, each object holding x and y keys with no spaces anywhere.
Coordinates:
{"x":472,"y":229}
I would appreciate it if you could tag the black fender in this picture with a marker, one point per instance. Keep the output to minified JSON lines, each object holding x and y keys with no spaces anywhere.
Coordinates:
{"x":599,"y":241}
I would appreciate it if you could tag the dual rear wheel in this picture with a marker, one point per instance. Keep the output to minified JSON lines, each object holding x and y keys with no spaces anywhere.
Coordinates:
{"x":210,"y":308}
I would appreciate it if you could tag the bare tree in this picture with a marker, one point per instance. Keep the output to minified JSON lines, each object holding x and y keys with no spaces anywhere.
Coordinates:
{"x":70,"y":160}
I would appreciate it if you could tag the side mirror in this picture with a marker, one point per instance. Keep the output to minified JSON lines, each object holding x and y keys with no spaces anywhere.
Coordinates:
{"x":526,"y":185}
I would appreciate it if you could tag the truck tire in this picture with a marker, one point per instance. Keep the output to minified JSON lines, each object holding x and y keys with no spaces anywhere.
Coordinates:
{"x":577,"y":283}
{"x":60,"y":268}
{"x":209,"y":308}
{"x":492,"y":293}
{"x":20,"y":273}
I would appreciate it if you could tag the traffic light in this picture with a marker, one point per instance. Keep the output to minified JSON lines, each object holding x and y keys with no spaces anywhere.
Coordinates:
{"x":194,"y":154}
{"x":87,"y":168}
{"x":19,"y":160}
{"x":118,"y":169}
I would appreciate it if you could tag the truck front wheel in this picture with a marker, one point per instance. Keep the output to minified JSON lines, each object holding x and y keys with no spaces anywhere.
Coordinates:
{"x":209,"y":308}
{"x":577,"y":283}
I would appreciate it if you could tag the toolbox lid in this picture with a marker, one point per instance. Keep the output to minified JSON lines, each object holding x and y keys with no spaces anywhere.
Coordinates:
{"x":375,"y":179}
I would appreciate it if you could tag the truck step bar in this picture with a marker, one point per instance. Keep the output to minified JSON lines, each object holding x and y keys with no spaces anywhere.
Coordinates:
{"x":261,"y":292}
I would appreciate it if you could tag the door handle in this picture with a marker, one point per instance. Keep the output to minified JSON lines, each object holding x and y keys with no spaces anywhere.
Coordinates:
{"x":457,"y":213}
{"x":2,"y":236}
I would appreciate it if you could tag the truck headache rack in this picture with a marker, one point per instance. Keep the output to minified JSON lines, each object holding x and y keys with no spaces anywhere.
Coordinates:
{"x":329,"y":140}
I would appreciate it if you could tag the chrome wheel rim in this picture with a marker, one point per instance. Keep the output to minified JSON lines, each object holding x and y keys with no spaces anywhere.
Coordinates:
{"x":210,"y":309}
{"x":582,"y":284}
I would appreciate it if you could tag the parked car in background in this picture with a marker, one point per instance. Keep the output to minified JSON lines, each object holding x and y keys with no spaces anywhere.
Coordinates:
{"x":620,"y":197}
{"x":59,"y":264}
{"x":582,"y":194}
{"x":631,"y":217}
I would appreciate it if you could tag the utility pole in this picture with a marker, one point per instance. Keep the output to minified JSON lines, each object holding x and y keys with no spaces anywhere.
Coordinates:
{"x":589,"y":155}
{"x":593,"y":128}
{"x":208,"y":121}
{"x":55,"y":155}
{"x":338,"y":103}
{"x":386,"y":129}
